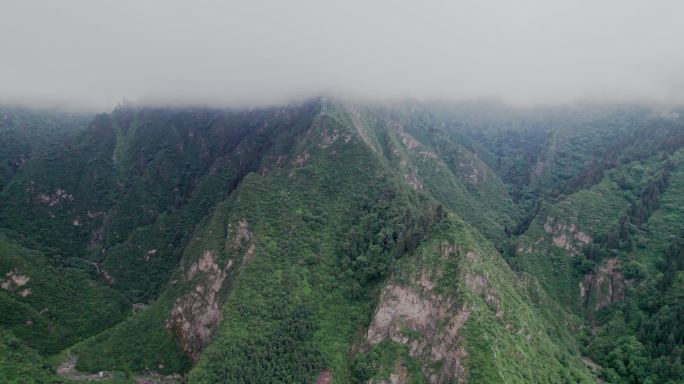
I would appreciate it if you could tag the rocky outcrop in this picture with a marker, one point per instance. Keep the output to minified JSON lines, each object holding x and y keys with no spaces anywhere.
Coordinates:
{"x":238,"y":239}
{"x":470,"y":170}
{"x":301,"y":159}
{"x":55,"y":198}
{"x":412,"y":180}
{"x":603,"y":286}
{"x":427,"y":323}
{"x":102,"y":273}
{"x":325,"y":377}
{"x":428,"y":155}
{"x":531,"y":247}
{"x":566,"y":236}
{"x":14,"y":281}
{"x":330,"y":137}
{"x":479,"y":284}
{"x":409,"y":141}
{"x":401,"y":376}
{"x":196,"y":314}
{"x":361,"y":128}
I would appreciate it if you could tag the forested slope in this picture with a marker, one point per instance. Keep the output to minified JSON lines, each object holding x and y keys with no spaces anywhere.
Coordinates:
{"x":350,"y":242}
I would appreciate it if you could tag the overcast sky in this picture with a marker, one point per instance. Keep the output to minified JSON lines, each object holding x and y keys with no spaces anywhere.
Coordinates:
{"x":98,"y":53}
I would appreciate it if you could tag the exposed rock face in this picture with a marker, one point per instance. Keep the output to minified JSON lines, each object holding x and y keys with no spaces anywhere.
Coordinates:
{"x":242,"y":238}
{"x":14,"y":280}
{"x":531,"y":247}
{"x":331,"y":137}
{"x":409,"y":171}
{"x":427,"y":154}
{"x":301,"y":160}
{"x":471,"y":171}
{"x":412,"y":179}
{"x":324,"y":377}
{"x":361,"y":128}
{"x":603,"y":287}
{"x":103,"y":273}
{"x":436,"y":321}
{"x":150,"y":254}
{"x":55,"y":198}
{"x":401,"y":376}
{"x":566,"y":236}
{"x":408,"y":141}
{"x":477,"y":176}
{"x":480,"y":285}
{"x":195,"y":315}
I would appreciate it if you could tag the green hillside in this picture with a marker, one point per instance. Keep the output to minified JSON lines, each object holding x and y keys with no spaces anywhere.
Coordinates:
{"x":334,"y":241}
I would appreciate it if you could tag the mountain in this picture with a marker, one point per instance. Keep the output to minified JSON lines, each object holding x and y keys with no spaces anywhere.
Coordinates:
{"x":334,"y":241}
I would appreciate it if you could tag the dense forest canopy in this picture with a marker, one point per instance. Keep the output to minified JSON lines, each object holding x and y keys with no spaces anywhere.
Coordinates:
{"x":343,"y":241}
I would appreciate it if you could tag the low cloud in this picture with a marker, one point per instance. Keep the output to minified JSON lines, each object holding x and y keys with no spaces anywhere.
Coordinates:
{"x":95,"y":54}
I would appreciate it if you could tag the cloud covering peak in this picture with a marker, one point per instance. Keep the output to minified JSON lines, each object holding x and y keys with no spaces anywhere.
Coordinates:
{"x":98,"y":53}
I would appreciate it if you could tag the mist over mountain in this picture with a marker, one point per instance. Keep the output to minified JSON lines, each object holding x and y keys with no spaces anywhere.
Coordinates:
{"x":94,"y":55}
{"x":338,"y":241}
{"x":352,"y":192}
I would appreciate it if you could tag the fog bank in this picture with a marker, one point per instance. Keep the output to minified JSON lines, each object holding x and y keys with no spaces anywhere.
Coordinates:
{"x":94,"y":54}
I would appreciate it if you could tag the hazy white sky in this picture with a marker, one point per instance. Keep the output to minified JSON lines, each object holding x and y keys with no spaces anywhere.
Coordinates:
{"x":97,"y":52}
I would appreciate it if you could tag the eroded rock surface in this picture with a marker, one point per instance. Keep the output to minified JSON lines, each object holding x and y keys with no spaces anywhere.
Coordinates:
{"x":301,"y":159}
{"x":55,"y":198}
{"x":433,"y":323}
{"x":331,"y":137}
{"x":242,"y":239}
{"x":325,"y":377}
{"x":479,"y":284}
{"x":409,"y":141}
{"x":566,"y":236}
{"x":13,"y":281}
{"x":196,"y":314}
{"x":604,"y":286}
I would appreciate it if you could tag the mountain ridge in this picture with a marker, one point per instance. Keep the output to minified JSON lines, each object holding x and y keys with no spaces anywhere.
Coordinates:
{"x":241,"y":238}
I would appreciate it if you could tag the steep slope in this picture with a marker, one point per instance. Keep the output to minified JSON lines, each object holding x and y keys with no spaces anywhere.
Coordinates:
{"x":137,"y":182}
{"x":319,"y":224}
{"x":415,"y":145}
{"x":79,"y":204}
{"x":637,"y":291}
{"x":454,"y":312}
{"x":279,"y":282}
{"x":336,"y":241}
{"x":51,"y":308}
{"x":604,"y":231}
{"x":553,"y":247}
{"x":20,"y":364}
{"x":547,"y":152}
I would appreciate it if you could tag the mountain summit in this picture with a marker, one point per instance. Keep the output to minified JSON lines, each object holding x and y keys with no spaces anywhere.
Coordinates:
{"x":333,"y":241}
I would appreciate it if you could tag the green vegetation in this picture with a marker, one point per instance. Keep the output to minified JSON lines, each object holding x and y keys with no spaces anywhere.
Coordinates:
{"x":25,"y":133}
{"x":19,"y":364}
{"x":384,"y":359}
{"x":468,"y":242}
{"x":326,"y":235}
{"x":50,"y":307}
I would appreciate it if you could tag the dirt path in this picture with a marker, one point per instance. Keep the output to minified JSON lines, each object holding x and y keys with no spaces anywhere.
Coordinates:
{"x":156,"y":378}
{"x":68,"y":370}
